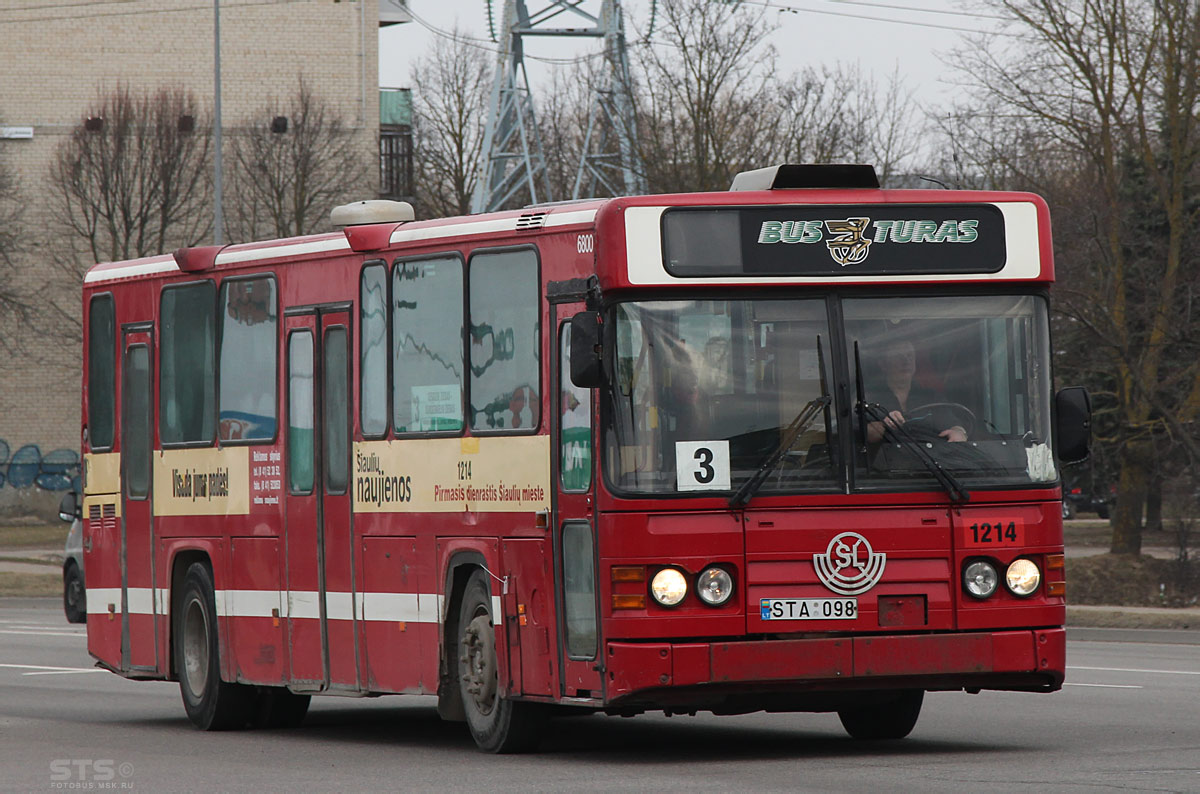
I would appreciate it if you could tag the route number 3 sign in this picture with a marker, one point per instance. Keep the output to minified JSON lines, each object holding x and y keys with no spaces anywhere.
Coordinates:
{"x":702,"y":465}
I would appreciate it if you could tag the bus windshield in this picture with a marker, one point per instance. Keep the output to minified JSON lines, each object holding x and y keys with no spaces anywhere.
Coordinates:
{"x":708,"y":392}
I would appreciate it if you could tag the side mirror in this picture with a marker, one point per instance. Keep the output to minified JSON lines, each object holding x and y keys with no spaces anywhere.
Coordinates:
{"x":68,"y":508}
{"x":1073,"y":421}
{"x":586,"y":335}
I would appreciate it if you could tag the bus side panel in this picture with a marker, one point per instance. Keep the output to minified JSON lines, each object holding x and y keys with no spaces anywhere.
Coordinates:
{"x":252,"y":600}
{"x":531,"y":634}
{"x":102,"y":564}
{"x":392,"y":624}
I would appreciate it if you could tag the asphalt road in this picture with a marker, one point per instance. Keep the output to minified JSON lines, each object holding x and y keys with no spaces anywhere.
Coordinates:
{"x":1129,"y":718}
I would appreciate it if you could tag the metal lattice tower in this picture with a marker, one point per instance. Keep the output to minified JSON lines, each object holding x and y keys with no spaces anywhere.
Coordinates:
{"x":512,"y":151}
{"x":610,"y":160}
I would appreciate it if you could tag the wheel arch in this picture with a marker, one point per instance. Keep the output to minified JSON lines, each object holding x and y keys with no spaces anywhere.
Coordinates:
{"x":180,"y":562}
{"x":459,"y":566}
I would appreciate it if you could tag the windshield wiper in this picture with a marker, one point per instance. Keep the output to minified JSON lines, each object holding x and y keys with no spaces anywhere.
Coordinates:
{"x":793,"y":431}
{"x":797,"y":426}
{"x":898,"y":434}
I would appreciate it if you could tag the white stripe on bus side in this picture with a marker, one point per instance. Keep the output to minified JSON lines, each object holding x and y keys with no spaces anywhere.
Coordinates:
{"x":404,"y":234}
{"x":297,"y":604}
{"x":228,"y":257}
{"x":164,"y":265}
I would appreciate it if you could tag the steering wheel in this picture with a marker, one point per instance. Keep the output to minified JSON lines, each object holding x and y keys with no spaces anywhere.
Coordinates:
{"x":960,"y":411}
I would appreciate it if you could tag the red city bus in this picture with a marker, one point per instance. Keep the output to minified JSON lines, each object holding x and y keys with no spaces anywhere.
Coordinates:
{"x":790,"y":447}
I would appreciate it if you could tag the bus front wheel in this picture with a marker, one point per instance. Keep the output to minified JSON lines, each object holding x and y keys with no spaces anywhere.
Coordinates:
{"x":497,"y":724}
{"x":211,"y":704}
{"x":893,"y":719}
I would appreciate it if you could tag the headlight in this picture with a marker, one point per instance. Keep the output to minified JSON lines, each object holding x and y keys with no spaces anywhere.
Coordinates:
{"x":1022,"y":578}
{"x":714,"y":586}
{"x":668,"y":587}
{"x":980,"y":578}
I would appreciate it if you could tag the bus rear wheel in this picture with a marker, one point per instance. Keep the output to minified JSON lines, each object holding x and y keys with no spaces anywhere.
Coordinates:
{"x":497,"y":724}
{"x":211,"y":704}
{"x":893,"y":719}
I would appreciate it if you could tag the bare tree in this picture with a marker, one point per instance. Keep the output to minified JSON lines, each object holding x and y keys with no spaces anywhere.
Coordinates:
{"x":708,"y":108}
{"x":1114,"y":87}
{"x":713,"y":103}
{"x":133,"y":178}
{"x":290,"y":165}
{"x":840,"y":114}
{"x":450,"y":104}
{"x":15,"y":303}
{"x":563,"y":118}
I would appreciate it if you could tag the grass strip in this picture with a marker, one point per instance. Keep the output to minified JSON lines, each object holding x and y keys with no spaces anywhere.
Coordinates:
{"x":30,"y":584}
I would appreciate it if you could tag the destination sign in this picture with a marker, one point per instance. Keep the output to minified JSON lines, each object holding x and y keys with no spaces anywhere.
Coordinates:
{"x":859,"y":240}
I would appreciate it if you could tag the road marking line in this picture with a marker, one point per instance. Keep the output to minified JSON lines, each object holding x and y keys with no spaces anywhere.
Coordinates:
{"x":44,"y":667}
{"x":43,"y":633}
{"x":1071,"y":683}
{"x":68,"y":672}
{"x":1134,"y":670}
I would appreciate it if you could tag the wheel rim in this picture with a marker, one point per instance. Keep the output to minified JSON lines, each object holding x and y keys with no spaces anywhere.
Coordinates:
{"x":479,"y":663}
{"x":74,"y":591}
{"x":195,"y":647}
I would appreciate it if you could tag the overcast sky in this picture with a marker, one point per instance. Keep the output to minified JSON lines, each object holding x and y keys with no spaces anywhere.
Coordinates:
{"x":880,"y":35}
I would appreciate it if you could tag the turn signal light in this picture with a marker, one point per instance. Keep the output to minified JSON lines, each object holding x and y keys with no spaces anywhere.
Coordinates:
{"x":629,"y":573}
{"x":1055,"y":562}
{"x":1056,"y":588}
{"x":629,"y":600}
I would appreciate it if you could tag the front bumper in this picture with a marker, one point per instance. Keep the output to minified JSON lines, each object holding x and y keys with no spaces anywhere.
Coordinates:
{"x":754,"y":674}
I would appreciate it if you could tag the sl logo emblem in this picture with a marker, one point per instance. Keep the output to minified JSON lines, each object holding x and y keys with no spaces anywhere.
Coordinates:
{"x":849,"y":566}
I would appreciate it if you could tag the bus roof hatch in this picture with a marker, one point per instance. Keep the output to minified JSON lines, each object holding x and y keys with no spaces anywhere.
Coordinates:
{"x":358,"y":213}
{"x":788,"y":176}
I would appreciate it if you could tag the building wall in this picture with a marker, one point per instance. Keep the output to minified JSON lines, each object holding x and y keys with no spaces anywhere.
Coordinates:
{"x":58,"y":58}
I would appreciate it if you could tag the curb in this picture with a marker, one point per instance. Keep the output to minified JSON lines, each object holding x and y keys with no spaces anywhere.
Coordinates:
{"x":1113,"y":617}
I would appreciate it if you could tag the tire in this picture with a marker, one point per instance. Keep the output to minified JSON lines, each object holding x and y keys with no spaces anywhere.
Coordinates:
{"x":211,"y":704}
{"x":1068,"y":510}
{"x":497,"y":724}
{"x":278,"y":707}
{"x":893,"y":719}
{"x":74,"y":595}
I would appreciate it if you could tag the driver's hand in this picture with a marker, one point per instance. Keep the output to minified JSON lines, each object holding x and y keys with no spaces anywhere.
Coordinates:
{"x":955,"y":433}
{"x":876,"y":430}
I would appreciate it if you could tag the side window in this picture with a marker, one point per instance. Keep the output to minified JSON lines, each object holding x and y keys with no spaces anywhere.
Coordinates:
{"x":102,"y":367}
{"x":575,"y":436}
{"x":372,"y":390}
{"x":249,"y":323}
{"x":300,"y":412}
{"x":187,"y":366}
{"x":427,"y":345}
{"x":504,"y":341}
{"x":335,"y":409}
{"x":135,"y":422}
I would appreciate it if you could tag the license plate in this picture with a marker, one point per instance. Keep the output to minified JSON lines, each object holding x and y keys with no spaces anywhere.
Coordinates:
{"x":808,"y":608}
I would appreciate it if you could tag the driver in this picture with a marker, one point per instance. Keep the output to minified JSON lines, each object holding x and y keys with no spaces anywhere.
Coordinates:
{"x":902,"y":396}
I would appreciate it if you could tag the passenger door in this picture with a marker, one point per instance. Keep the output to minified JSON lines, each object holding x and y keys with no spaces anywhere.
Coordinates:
{"x":322,"y":615}
{"x":139,"y":607}
{"x":572,"y":451}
